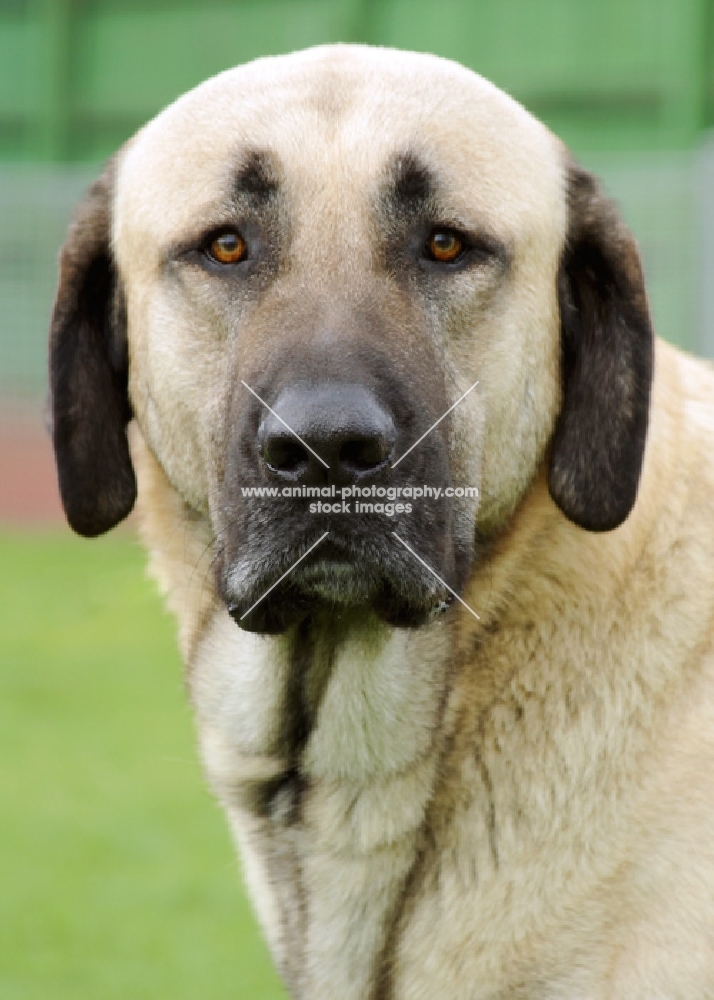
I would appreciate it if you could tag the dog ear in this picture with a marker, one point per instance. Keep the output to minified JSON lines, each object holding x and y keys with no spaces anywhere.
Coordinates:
{"x":89,"y":372}
{"x":607,"y":362}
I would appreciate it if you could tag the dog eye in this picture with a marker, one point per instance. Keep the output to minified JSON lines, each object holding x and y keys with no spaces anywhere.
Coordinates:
{"x":227,"y":247}
{"x":445,"y":246}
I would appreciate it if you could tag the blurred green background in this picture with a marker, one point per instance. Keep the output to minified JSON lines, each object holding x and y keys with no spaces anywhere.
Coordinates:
{"x":117,"y":878}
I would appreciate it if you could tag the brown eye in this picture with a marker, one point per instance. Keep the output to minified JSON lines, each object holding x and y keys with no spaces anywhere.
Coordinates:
{"x":444,"y":246}
{"x":227,"y":248}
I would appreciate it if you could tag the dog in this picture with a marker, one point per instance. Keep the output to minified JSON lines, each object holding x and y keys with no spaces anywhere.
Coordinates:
{"x":454,"y":679}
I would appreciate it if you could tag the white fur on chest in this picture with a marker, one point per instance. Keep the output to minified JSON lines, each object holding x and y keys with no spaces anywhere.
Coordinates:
{"x":375,"y":719}
{"x":368,"y":766}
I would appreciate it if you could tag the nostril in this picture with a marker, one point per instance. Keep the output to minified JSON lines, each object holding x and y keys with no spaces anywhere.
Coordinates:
{"x":285,"y":456}
{"x":364,"y":454}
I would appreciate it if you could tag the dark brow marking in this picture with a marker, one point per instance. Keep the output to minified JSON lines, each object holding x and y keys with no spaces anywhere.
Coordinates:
{"x":256,"y":176}
{"x":412,"y":181}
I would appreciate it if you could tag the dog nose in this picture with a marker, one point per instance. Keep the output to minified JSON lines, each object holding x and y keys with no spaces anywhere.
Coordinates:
{"x":324,"y":433}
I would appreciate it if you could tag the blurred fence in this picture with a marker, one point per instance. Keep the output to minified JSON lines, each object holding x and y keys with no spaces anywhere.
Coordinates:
{"x":632,"y":77}
{"x":36,"y":203}
{"x":667,"y":198}
{"x":77,"y":77}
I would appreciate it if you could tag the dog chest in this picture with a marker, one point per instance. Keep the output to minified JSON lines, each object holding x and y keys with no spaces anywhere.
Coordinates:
{"x":323,"y":754}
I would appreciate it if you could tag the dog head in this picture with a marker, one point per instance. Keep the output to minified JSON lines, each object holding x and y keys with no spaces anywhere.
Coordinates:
{"x":289,"y":278}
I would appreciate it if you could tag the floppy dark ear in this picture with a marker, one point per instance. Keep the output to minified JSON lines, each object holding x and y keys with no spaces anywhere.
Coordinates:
{"x":607,"y":360}
{"x":89,"y":373}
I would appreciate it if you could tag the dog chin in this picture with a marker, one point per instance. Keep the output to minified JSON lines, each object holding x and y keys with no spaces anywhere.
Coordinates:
{"x":338,"y":588}
{"x":336,"y":582}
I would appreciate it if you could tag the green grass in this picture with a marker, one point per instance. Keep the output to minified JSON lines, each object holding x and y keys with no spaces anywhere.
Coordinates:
{"x":117,"y":875}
